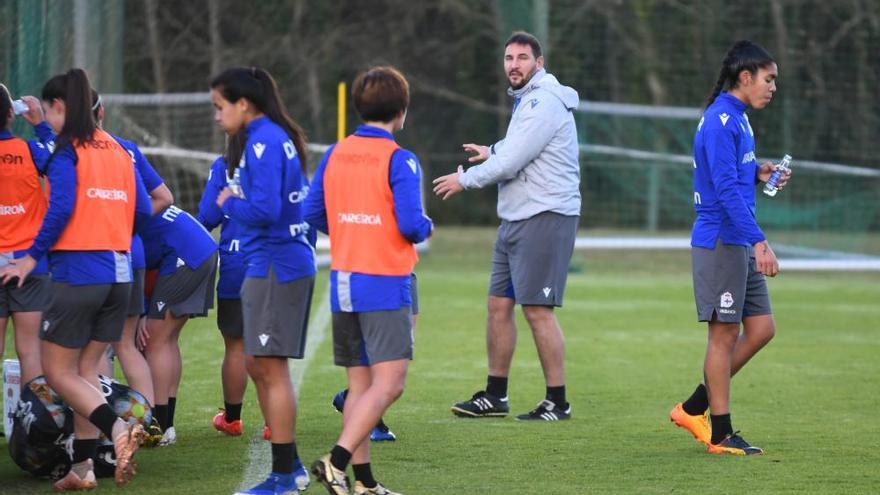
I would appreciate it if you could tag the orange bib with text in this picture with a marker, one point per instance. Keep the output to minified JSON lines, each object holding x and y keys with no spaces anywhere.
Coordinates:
{"x":364,"y":237}
{"x":22,"y":198}
{"x":103,"y":217}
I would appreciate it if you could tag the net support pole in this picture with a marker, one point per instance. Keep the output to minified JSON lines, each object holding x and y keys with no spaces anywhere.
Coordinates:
{"x":340,"y":111}
{"x":652,"y":222}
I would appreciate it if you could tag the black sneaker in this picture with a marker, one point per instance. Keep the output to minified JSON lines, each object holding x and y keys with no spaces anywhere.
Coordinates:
{"x":734,"y":444}
{"x":482,"y":405}
{"x":547,"y":411}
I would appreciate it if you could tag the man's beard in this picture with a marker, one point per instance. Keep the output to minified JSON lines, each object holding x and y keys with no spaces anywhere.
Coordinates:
{"x":525,"y":80}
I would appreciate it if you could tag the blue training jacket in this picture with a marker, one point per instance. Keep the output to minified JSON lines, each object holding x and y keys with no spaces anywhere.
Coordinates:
{"x":41,"y":151}
{"x":232,"y":266}
{"x":377,"y":292}
{"x":725,"y":175}
{"x":80,"y":267}
{"x":174,"y":236}
{"x":269,"y":214}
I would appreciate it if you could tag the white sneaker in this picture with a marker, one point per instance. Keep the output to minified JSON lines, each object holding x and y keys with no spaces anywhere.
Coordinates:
{"x":169,"y":437}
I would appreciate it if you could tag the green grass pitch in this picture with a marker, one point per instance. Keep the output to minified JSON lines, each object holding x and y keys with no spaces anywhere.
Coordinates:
{"x":810,"y":399}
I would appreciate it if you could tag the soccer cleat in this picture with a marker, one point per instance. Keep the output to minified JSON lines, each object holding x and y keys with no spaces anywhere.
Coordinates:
{"x":125,"y":445}
{"x":169,"y":437}
{"x":334,"y":480}
{"x":301,"y":477}
{"x":697,"y":425}
{"x":71,"y":481}
{"x":482,"y":405}
{"x":153,"y":434}
{"x":275,"y":484}
{"x":546,"y":411}
{"x":339,"y":400}
{"x":360,"y":489}
{"x":231,"y":428}
{"x":734,"y":444}
{"x":381,"y":433}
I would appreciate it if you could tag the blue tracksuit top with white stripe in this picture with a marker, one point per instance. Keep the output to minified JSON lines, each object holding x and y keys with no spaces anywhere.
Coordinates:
{"x":377,"y":292}
{"x":269,"y":214}
{"x":80,"y":267}
{"x":152,"y":180}
{"x":725,"y":174}
{"x":174,"y":236}
{"x":40,"y":150}
{"x":232,"y":265}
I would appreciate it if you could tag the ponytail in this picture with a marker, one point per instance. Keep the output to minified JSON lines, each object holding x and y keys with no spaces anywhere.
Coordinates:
{"x":258,"y":87}
{"x":234,"y":149}
{"x":5,"y":107}
{"x":74,"y":89}
{"x":743,"y":55}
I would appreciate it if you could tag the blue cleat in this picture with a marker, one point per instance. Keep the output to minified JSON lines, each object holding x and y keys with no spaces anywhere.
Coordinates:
{"x":275,"y":484}
{"x":381,"y":433}
{"x":300,"y":476}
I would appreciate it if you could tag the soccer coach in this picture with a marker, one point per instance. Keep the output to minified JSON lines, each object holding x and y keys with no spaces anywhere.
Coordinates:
{"x":539,"y":202}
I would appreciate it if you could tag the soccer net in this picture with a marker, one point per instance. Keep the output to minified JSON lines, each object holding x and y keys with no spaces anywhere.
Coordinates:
{"x":636,"y":179}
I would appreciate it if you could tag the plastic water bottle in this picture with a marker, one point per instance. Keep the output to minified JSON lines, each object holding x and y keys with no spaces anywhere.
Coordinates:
{"x":784,"y":166}
{"x":235,"y":183}
{"x":19,"y":107}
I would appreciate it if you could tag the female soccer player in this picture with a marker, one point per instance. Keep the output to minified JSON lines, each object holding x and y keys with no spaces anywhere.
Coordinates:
{"x":366,"y":195}
{"x":22,"y":207}
{"x":730,"y":254}
{"x":233,"y":372}
{"x":277,"y":289}
{"x":96,"y":199}
{"x":185,"y":254}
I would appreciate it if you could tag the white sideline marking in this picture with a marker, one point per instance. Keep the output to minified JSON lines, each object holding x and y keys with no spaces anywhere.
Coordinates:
{"x":259,"y":452}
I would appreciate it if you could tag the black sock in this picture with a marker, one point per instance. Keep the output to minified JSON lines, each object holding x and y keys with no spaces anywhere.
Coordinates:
{"x":172,"y":402}
{"x":720,"y":427}
{"x":282,"y":458}
{"x":104,"y":418}
{"x":84,"y":449}
{"x":556,"y":395}
{"x":497,"y":386}
{"x":340,"y":457}
{"x":364,"y":474}
{"x":233,"y":412}
{"x":161,"y":414}
{"x":698,"y":402}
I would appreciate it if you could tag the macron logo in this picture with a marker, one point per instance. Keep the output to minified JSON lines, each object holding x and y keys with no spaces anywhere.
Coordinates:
{"x":259,"y":148}
{"x":160,"y":305}
{"x":412,"y":164}
{"x":724,"y":118}
{"x":264,"y":339}
{"x":12,"y":210}
{"x":546,"y":291}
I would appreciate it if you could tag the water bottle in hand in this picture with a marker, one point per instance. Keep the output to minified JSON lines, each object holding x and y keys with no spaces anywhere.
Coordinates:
{"x":783,"y":167}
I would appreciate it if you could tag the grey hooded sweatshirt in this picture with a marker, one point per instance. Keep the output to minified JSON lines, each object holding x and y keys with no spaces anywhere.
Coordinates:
{"x":536,"y":164}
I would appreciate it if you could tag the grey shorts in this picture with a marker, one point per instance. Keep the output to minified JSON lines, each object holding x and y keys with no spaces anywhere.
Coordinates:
{"x":727,"y":284}
{"x":79,"y":314}
{"x":229,"y":318}
{"x":276,"y":315}
{"x":531,"y":258}
{"x":372,"y":337}
{"x":34,"y":295}
{"x":186,"y":292}
{"x":136,"y":302}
